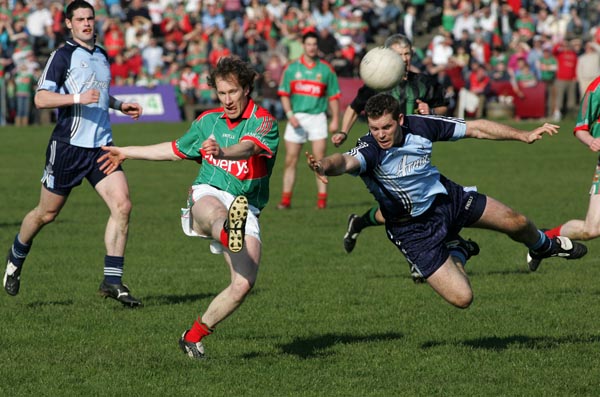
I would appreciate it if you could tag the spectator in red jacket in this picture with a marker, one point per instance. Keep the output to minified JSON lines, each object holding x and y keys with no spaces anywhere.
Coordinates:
{"x":566,"y":78}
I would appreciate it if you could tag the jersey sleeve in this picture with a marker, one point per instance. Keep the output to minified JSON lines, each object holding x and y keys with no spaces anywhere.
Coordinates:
{"x":54,"y":73}
{"x":589,"y":109}
{"x":362,"y":96}
{"x":367,"y":154}
{"x":333,"y":87}
{"x":188,"y":146}
{"x":264,"y":132}
{"x":435,"y":96}
{"x":284,"y":88}
{"x":436,"y":128}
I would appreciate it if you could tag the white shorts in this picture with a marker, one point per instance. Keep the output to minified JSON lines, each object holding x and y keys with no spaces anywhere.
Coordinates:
{"x":199,"y":191}
{"x":312,"y":127}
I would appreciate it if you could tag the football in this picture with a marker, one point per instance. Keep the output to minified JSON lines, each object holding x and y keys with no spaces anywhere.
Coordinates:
{"x":381,"y":68}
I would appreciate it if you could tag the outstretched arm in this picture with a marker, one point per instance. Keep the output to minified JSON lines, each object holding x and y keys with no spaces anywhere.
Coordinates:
{"x":348,"y":119}
{"x":486,"y":129}
{"x":115,"y":155}
{"x":133,"y":110}
{"x":336,"y":164}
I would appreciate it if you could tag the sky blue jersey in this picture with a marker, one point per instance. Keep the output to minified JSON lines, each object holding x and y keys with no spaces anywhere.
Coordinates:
{"x":73,"y":69}
{"x":402,"y":178}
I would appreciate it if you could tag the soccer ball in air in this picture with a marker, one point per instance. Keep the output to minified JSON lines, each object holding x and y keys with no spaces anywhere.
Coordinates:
{"x":381,"y":68}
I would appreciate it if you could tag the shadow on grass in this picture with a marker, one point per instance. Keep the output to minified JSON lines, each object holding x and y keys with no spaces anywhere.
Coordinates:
{"x":517,"y":342}
{"x":317,"y":346}
{"x":158,"y":300}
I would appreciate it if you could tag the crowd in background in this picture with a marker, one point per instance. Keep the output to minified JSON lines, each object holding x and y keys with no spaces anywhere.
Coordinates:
{"x":462,"y":43}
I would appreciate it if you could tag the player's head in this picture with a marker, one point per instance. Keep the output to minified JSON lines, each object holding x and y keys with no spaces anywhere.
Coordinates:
{"x":233,"y":79}
{"x":80,"y":19}
{"x":401,"y":45}
{"x":75,"y":5}
{"x":384,"y":119}
{"x":310,"y":41}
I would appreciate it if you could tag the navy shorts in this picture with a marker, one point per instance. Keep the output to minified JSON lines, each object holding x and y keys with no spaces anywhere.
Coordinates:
{"x":422,"y":239}
{"x":68,"y":165}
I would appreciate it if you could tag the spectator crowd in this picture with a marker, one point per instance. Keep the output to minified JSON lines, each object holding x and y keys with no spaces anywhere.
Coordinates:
{"x":466,"y":45}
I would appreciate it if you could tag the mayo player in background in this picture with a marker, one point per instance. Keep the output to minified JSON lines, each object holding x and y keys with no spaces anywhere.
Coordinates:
{"x":308,"y":86}
{"x":76,"y":80}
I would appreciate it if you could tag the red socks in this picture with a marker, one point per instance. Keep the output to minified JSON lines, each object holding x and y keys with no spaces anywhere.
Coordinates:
{"x":286,"y":199}
{"x":224,"y":238}
{"x":198,"y":331}
{"x":553,"y":232}
{"x":321,"y":201}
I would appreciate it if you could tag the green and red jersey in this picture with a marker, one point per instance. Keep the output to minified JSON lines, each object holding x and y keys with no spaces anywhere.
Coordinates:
{"x":588,"y":118}
{"x":239,"y":177}
{"x":310,"y":87}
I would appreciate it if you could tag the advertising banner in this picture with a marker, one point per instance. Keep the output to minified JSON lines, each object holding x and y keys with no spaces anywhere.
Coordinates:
{"x":159,"y":103}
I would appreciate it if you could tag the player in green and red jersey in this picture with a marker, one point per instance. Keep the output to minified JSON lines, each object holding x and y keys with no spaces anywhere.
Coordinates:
{"x":236,"y":145}
{"x":308,"y":87}
{"x":587,"y":130}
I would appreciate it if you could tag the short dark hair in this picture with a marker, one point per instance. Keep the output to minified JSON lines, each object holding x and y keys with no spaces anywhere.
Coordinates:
{"x":233,"y":66}
{"x":308,"y":35}
{"x":75,"y":5}
{"x":381,"y":104}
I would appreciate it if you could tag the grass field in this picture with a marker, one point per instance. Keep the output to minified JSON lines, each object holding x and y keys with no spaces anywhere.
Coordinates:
{"x":319,"y":322}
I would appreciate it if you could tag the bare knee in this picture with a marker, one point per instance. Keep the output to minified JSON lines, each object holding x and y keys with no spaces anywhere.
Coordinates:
{"x":462,"y":300}
{"x":240,"y":288}
{"x":122,"y":209}
{"x":45,"y":217}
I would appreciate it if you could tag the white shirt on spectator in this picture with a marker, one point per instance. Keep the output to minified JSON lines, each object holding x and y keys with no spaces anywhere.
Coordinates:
{"x":37,"y":22}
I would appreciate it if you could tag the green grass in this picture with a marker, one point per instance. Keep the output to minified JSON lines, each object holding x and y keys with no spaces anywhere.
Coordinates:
{"x":319,"y":322}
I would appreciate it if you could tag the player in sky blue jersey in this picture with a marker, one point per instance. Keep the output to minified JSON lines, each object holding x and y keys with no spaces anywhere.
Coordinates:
{"x":76,"y":81}
{"x":422,"y":208}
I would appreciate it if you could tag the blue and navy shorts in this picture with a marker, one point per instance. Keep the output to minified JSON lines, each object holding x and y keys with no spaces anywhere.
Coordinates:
{"x":422,"y":239}
{"x":68,"y":165}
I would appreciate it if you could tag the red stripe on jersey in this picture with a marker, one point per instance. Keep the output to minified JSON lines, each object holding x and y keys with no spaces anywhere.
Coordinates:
{"x":176,"y":150}
{"x":260,"y":144}
{"x":593,"y":85}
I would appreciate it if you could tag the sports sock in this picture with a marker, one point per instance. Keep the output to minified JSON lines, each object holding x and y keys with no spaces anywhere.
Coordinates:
{"x":553,"y":232}
{"x":322,"y":200}
{"x":543,"y":245}
{"x":113,"y":269}
{"x":198,"y":331}
{"x":459,"y":254}
{"x":224,"y":237}
{"x":367,"y":219}
{"x":18,"y":252}
{"x":286,"y":199}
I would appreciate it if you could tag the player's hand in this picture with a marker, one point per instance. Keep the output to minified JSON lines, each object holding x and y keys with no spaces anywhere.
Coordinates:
{"x":338,"y":138}
{"x":537,"y":134}
{"x":211,"y":147}
{"x":333,"y":126}
{"x":315,"y":165}
{"x":422,"y":107}
{"x":90,"y":96}
{"x":133,"y":110}
{"x":595,"y":145}
{"x":294,"y":121}
{"x":111,"y":160}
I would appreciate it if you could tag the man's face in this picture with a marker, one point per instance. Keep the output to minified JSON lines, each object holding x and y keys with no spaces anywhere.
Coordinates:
{"x":310,"y":47}
{"x":82,"y":25}
{"x":404,"y":52}
{"x":385,"y":129}
{"x":232,"y":95}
